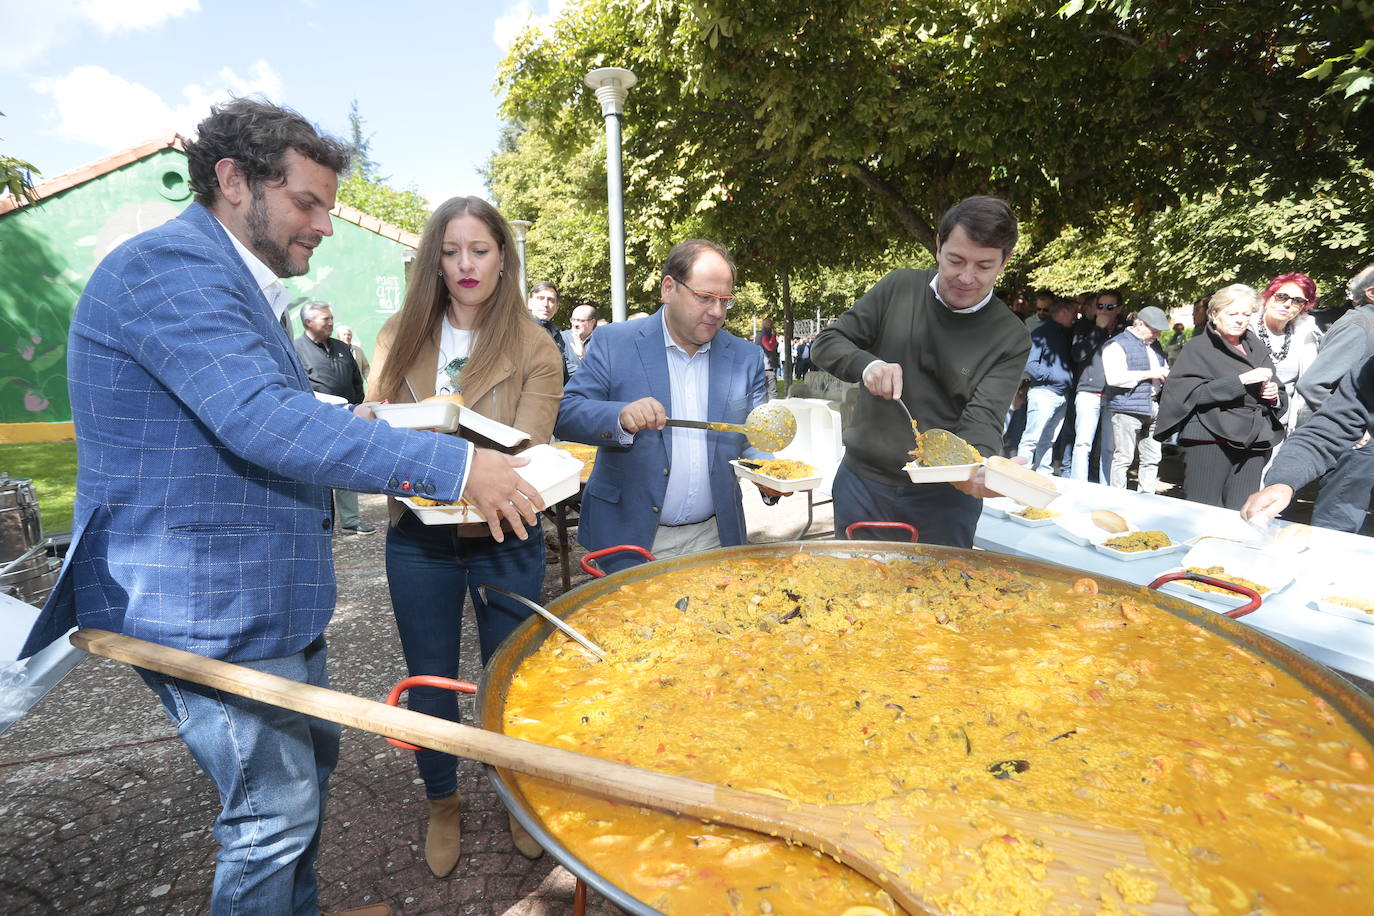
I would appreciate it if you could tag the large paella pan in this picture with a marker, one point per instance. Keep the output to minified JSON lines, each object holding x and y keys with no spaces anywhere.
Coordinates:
{"x":842,"y":672}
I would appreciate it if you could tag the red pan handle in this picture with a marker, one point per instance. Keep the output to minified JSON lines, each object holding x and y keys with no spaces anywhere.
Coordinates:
{"x":424,"y":680}
{"x":598,"y":573}
{"x":895,"y":526}
{"x":1250,"y":607}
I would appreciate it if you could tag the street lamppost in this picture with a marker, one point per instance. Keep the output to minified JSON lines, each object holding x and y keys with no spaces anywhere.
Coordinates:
{"x":520,"y":227}
{"x":612,"y":84}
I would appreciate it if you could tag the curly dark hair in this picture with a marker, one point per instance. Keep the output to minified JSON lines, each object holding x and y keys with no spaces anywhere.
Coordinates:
{"x":256,"y":134}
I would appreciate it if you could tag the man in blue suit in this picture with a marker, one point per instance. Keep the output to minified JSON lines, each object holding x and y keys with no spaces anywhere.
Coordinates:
{"x":203,"y":513}
{"x":670,"y":492}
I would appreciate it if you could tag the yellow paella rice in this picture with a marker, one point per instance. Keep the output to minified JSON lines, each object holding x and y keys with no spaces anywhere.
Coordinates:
{"x":1139,"y":540}
{"x":955,"y":683}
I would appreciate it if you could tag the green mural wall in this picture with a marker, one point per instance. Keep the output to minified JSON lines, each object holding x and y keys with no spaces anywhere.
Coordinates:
{"x":48,"y":252}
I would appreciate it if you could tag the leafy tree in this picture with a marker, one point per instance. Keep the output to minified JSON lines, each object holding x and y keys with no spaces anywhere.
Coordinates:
{"x":564,"y":195}
{"x":1244,"y":233}
{"x":16,"y":177}
{"x":407,"y":209}
{"x":364,"y":190}
{"x":361,"y":142}
{"x":1281,"y":38}
{"x":909,"y":107}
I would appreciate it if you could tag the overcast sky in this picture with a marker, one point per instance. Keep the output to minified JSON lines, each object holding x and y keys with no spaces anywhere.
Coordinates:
{"x":80,"y":79}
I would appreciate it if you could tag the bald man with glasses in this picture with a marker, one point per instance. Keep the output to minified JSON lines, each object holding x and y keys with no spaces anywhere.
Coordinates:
{"x":670,"y":491}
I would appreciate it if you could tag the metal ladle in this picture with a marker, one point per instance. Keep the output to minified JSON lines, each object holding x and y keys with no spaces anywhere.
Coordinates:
{"x":550,"y":616}
{"x":938,"y":447}
{"x":769,"y":428}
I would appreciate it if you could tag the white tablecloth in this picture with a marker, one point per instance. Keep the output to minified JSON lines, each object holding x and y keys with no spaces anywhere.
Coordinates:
{"x":1289,"y":616}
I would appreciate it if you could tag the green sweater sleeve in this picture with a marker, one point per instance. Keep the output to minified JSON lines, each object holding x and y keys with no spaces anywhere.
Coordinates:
{"x":844,"y":348}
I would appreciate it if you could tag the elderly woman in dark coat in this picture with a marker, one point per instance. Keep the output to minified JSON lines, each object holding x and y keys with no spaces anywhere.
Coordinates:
{"x":1223,"y":401}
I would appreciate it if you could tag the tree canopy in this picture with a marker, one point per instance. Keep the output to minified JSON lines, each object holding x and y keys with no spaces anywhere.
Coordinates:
{"x":16,"y":176}
{"x":363,"y":189}
{"x":1193,"y":142}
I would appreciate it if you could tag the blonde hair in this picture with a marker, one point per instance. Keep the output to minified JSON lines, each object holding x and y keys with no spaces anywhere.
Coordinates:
{"x":1227,"y":296}
{"x":427,"y":299}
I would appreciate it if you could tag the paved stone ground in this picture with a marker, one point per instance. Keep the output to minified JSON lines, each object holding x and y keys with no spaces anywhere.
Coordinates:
{"x":102,"y":810}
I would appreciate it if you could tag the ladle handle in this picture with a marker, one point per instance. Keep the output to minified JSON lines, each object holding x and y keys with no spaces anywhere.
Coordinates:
{"x":707,"y":424}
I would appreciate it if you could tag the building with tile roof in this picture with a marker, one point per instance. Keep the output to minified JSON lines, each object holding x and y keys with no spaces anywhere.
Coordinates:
{"x":48,"y":251}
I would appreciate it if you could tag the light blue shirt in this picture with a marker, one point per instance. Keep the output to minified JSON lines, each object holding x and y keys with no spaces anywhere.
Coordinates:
{"x":688,"y":497}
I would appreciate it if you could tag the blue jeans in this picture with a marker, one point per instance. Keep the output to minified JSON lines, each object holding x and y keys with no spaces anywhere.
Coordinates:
{"x":1044,"y":416}
{"x":1087,"y":429}
{"x":940,"y":513}
{"x":429,"y":570}
{"x":1343,"y":500}
{"x":271,"y":766}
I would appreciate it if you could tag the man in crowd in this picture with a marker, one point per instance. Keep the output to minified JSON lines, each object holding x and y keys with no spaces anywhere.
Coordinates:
{"x":940,"y":341}
{"x":671,"y":492}
{"x":543,"y":305}
{"x":1043,"y":300}
{"x":1050,"y":373}
{"x":203,"y":517}
{"x":768,"y":341}
{"x":330,"y":366}
{"x":1173,"y":340}
{"x":1134,"y":368}
{"x":575,"y":341}
{"x":1089,"y":336}
{"x":801,"y":358}
{"x":1344,"y":496}
{"x":1313,"y":449}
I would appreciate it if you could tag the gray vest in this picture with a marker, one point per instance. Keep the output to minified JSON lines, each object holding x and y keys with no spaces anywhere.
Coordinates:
{"x":1133,"y":400}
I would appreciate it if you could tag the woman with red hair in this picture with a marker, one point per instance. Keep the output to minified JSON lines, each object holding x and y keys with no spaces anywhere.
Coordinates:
{"x":1291,"y":334}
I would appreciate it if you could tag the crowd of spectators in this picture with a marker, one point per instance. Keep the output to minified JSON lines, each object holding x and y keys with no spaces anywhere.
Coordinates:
{"x":1103,"y":391}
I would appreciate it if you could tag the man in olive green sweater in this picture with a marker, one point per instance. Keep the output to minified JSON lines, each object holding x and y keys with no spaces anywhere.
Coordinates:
{"x":952,"y":351}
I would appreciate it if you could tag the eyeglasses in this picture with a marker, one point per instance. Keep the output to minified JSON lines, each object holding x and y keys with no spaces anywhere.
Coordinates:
{"x":1285,"y":299}
{"x":1109,"y":306}
{"x":708,"y":299}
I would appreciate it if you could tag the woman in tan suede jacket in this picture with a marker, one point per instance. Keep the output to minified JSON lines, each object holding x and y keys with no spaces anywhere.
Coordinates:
{"x":463,"y":329}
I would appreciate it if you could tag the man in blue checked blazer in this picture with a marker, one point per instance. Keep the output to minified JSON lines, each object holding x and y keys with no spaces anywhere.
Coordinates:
{"x":203,"y":511}
{"x":670,"y":491}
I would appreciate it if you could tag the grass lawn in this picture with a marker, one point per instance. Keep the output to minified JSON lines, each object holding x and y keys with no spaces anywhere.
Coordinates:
{"x":52,"y":466}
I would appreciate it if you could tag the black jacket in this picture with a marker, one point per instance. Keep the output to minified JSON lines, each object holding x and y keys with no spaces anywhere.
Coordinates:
{"x":331,"y":368}
{"x":1204,"y":399}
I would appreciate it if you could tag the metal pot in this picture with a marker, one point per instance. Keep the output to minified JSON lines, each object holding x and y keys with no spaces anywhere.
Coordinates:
{"x":30,"y":577}
{"x":1355,"y":706}
{"x":20,"y":527}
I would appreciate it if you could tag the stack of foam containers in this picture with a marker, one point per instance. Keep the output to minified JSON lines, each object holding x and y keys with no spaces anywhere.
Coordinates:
{"x":818,"y":441}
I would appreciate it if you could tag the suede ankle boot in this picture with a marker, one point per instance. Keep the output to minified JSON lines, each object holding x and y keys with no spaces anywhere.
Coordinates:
{"x":525,"y":844}
{"x":442,"y":839}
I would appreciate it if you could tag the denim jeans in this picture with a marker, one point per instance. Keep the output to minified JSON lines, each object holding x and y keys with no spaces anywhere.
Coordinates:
{"x":429,"y":571}
{"x":1088,"y":428}
{"x":1044,"y":415}
{"x":1343,"y":501}
{"x":271,"y":767}
{"x":940,"y":513}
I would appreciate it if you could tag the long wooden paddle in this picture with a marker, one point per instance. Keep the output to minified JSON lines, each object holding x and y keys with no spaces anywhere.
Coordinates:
{"x":862,"y":836}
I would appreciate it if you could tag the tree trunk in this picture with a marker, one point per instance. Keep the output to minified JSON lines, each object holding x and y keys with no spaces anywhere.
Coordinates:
{"x":786,"y":344}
